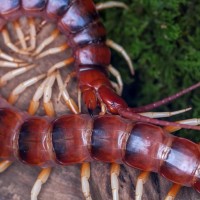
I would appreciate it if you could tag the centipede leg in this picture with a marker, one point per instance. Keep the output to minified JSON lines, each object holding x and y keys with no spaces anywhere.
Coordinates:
{"x":192,"y":122}
{"x":8,"y":64}
{"x":79,"y":99}
{"x":12,"y":74}
{"x":33,"y":34}
{"x":85,"y":175}
{"x":20,"y":35}
{"x":118,"y":77}
{"x":115,"y":170}
{"x":164,"y":114}
{"x":41,"y":179}
{"x":141,"y":180}
{"x":47,"y":103}
{"x":4,"y":165}
{"x":69,"y":101}
{"x":34,"y":104}
{"x":52,"y":51}
{"x":61,"y":64}
{"x":121,"y":50}
{"x":9,"y":58}
{"x":111,"y":4}
{"x":22,"y":87}
{"x":173,"y":192}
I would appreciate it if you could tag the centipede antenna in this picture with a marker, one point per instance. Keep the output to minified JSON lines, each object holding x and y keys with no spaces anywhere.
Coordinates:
{"x":46,"y":42}
{"x":10,"y":45}
{"x":164,"y":114}
{"x":122,"y":51}
{"x":12,"y":74}
{"x":85,"y":175}
{"x":34,"y":104}
{"x":51,"y":51}
{"x":9,"y":58}
{"x":118,"y":77}
{"x":141,"y":180}
{"x":69,"y":101}
{"x":61,"y":64}
{"x":47,"y":103}
{"x":22,"y":87}
{"x":41,"y":179}
{"x":8,"y":64}
{"x":4,"y":165}
{"x":115,"y":170}
{"x":33,"y":34}
{"x":173,"y":192}
{"x":110,"y":4}
{"x":20,"y":35}
{"x":165,"y":100}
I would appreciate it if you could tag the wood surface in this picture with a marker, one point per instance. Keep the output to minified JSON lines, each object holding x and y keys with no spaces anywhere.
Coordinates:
{"x":64,"y":182}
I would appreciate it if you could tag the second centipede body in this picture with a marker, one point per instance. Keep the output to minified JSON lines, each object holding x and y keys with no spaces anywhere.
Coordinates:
{"x":72,"y":139}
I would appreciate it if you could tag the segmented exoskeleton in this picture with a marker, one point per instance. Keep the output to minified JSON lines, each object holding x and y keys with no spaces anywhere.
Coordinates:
{"x":79,"y":21}
{"x":72,"y":139}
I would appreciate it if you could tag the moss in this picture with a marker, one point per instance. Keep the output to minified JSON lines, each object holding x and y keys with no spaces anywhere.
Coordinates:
{"x":163,"y":40}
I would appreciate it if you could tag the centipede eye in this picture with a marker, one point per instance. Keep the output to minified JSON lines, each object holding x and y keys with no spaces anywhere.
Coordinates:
{"x":90,"y":111}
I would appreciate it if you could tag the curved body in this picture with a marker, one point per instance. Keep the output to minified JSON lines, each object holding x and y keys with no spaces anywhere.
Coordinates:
{"x":80,"y":22}
{"x":72,"y":139}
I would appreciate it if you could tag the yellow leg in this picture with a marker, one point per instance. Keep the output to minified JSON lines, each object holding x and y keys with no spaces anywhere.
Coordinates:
{"x":4,"y":165}
{"x":173,"y":192}
{"x":41,"y":179}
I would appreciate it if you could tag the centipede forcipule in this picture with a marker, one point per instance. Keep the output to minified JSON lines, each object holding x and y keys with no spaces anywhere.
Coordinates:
{"x":40,"y":13}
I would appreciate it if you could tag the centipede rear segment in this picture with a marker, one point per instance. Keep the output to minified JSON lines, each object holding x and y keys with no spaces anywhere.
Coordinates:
{"x":60,"y":142}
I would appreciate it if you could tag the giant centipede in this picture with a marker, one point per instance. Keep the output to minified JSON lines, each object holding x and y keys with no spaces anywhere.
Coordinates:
{"x":79,"y":21}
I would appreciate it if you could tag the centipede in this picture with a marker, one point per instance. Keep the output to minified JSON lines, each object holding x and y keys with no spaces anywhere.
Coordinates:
{"x":86,"y":37}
